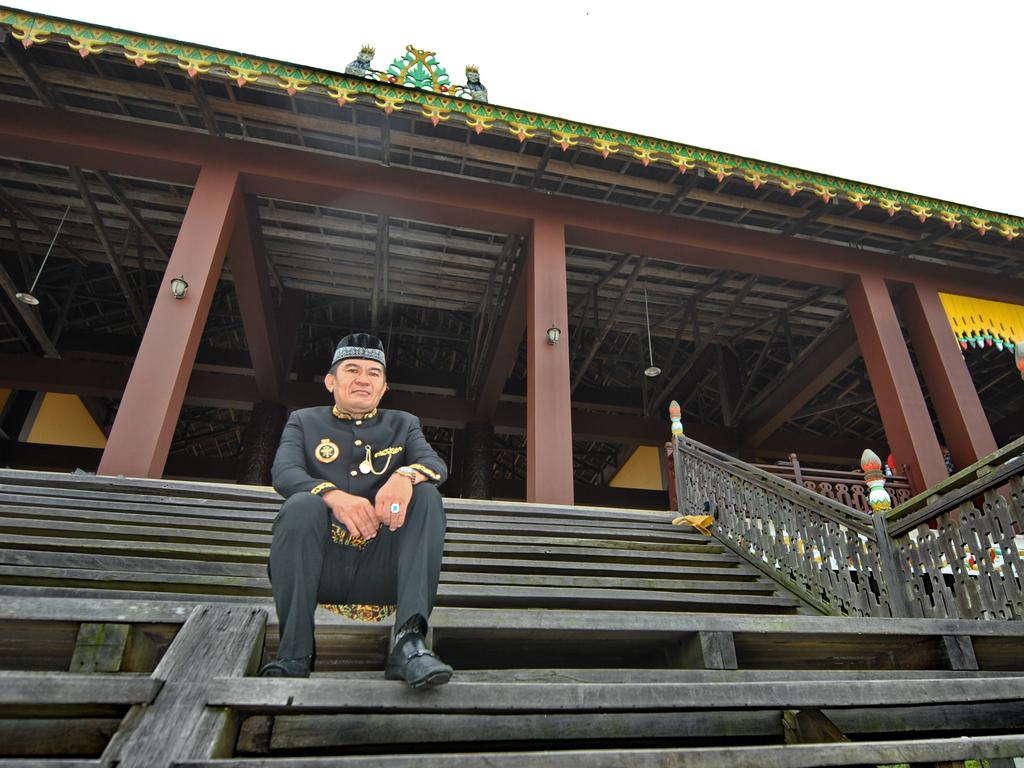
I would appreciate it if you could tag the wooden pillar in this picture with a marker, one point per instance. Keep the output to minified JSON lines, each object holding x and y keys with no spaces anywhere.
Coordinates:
{"x":141,"y":436}
{"x":478,"y":460}
{"x":954,"y":397}
{"x":549,"y":476}
{"x":908,"y":427}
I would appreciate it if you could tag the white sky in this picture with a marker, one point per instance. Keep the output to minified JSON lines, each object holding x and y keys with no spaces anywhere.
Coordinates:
{"x":923,"y":97}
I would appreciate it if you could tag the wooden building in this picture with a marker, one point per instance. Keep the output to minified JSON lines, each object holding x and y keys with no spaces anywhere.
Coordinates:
{"x":789,"y":311}
{"x":200,"y":226}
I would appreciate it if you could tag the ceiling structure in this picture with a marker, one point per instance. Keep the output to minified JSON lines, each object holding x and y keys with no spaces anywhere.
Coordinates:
{"x":723,"y":339}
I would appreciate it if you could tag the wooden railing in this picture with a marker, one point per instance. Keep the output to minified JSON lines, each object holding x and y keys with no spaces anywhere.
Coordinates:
{"x":947,"y":553}
{"x":823,"y":551}
{"x":960,"y":541}
{"x":845,"y":487}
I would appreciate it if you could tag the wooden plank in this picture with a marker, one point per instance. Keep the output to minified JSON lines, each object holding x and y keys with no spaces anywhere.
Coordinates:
{"x":115,"y":563}
{"x":294,"y":696}
{"x":84,"y":496}
{"x":55,"y":736}
{"x":786,"y":756}
{"x":51,"y":762}
{"x":481,"y":596}
{"x":359,"y":729}
{"x":185,"y":488}
{"x":810,"y":726}
{"x":722,"y":570}
{"x":193,"y":550}
{"x":47,"y":688}
{"x":668,"y":675}
{"x":960,"y":651}
{"x":115,"y":580}
{"x":175,"y":507}
{"x":169,"y":532}
{"x":65,"y":583}
{"x":170,"y":517}
{"x":454,"y":570}
{"x":1009,"y":634}
{"x":322,"y":732}
{"x":100,"y":647}
{"x":620,"y":544}
{"x":669,"y":585}
{"x":214,"y":641}
{"x":707,"y":650}
{"x":588,"y":553}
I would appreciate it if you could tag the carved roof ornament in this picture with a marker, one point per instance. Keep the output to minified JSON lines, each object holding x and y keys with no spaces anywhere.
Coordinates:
{"x":418,"y":68}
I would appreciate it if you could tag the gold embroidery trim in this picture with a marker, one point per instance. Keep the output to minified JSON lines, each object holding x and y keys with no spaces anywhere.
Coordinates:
{"x":322,"y":487}
{"x":359,"y":611}
{"x":338,"y":414}
{"x":388,"y":451}
{"x":426,"y":471}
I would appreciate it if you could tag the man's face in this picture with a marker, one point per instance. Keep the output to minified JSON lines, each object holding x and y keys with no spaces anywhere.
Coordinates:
{"x":357,"y":385}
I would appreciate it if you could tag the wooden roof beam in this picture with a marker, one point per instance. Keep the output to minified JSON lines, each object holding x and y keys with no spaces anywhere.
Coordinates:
{"x":29,"y":315}
{"x":612,"y":315}
{"x":501,"y":359}
{"x":248,"y":261}
{"x":134,"y":216}
{"x":112,"y":256}
{"x":803,"y":381}
{"x":700,"y":345}
{"x":205,"y":110}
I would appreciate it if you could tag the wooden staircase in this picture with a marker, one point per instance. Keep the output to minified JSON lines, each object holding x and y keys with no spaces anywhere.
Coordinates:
{"x":133,"y":614}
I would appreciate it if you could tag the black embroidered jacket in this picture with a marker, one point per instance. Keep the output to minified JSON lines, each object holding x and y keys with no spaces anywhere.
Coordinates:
{"x":323,"y":448}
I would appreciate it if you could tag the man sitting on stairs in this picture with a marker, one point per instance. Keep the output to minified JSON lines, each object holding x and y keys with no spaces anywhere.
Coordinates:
{"x":363,"y":522}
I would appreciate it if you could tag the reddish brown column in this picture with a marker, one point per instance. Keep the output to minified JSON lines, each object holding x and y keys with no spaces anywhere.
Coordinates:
{"x":964,"y":425}
{"x":548,"y":408}
{"x":908,"y":427}
{"x":142,"y":432}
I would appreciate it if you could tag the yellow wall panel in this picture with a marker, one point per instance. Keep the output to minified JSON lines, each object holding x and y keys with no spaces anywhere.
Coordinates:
{"x":641,"y":470}
{"x":64,"y":420}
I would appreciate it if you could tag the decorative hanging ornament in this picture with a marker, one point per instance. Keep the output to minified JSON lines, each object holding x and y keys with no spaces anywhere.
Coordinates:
{"x":1018,"y":357}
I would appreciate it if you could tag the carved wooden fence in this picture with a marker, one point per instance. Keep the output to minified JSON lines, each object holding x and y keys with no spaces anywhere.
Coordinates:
{"x":950,"y":552}
{"x":960,"y":541}
{"x":821,"y":550}
{"x":845,"y":487}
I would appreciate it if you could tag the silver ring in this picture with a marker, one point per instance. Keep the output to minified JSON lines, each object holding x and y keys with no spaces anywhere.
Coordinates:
{"x":396,"y":508}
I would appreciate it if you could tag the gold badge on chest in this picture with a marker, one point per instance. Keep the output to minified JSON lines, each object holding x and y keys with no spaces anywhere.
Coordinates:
{"x":326,"y":451}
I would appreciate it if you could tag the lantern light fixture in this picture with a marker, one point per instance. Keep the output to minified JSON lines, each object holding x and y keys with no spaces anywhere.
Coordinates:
{"x":179,"y":286}
{"x":554,"y":334}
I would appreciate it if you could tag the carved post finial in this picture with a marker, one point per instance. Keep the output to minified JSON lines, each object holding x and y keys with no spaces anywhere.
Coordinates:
{"x":676,"y":414}
{"x":878,"y":497}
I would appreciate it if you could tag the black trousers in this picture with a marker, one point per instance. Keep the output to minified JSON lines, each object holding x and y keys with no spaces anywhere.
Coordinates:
{"x":306,"y":568}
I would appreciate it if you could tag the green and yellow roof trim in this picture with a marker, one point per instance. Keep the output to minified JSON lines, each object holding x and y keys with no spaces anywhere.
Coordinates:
{"x":388,"y":94}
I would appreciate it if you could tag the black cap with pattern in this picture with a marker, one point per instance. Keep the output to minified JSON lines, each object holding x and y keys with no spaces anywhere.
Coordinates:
{"x":362,"y":346}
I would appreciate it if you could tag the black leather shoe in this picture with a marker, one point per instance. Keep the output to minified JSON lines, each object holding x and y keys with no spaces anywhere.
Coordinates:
{"x":413,"y":662}
{"x":287,"y":668}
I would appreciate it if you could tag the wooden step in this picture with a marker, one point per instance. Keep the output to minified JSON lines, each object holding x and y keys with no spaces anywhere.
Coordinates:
{"x":760,"y":756}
